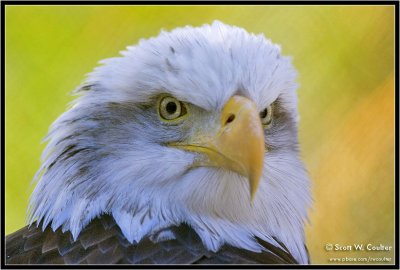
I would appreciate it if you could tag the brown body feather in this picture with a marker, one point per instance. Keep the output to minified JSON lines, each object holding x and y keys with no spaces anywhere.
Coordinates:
{"x":102,"y":242}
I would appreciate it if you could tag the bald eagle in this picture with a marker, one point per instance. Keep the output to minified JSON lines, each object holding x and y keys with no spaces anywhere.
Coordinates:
{"x":183,"y":150}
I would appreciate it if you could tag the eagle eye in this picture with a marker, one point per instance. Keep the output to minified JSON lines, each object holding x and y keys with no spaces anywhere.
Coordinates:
{"x":266,"y":116}
{"x":169,"y":108}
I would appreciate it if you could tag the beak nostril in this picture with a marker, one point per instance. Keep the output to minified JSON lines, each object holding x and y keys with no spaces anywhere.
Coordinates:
{"x":230,"y":119}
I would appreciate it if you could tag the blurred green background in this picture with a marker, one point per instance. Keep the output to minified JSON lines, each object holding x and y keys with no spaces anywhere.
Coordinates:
{"x":345,"y":59}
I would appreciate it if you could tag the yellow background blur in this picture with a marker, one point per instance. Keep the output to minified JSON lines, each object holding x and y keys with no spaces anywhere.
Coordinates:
{"x":345,"y":59}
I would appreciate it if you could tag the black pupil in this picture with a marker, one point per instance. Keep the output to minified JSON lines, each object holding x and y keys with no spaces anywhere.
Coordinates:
{"x":171,"y":107}
{"x":264,"y":113}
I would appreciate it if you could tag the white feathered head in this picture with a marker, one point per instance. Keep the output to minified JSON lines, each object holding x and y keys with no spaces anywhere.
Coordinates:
{"x":197,"y":125}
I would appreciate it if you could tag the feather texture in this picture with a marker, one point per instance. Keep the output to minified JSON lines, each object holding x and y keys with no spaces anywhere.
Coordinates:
{"x":109,"y":152}
{"x":102,"y":242}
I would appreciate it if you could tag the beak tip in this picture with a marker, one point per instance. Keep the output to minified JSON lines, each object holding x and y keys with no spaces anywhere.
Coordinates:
{"x":252,"y":194}
{"x":252,"y":199}
{"x":254,"y":181}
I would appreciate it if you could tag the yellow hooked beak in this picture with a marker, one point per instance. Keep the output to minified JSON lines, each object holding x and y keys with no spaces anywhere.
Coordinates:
{"x":237,"y":145}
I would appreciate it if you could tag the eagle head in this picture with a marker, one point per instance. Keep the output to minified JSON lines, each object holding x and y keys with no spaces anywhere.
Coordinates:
{"x":195,"y":126}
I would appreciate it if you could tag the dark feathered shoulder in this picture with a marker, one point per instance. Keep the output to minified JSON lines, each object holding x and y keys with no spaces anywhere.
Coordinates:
{"x":102,"y":242}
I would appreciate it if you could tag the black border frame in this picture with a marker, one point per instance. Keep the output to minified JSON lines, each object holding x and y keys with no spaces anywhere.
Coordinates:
{"x":291,"y":3}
